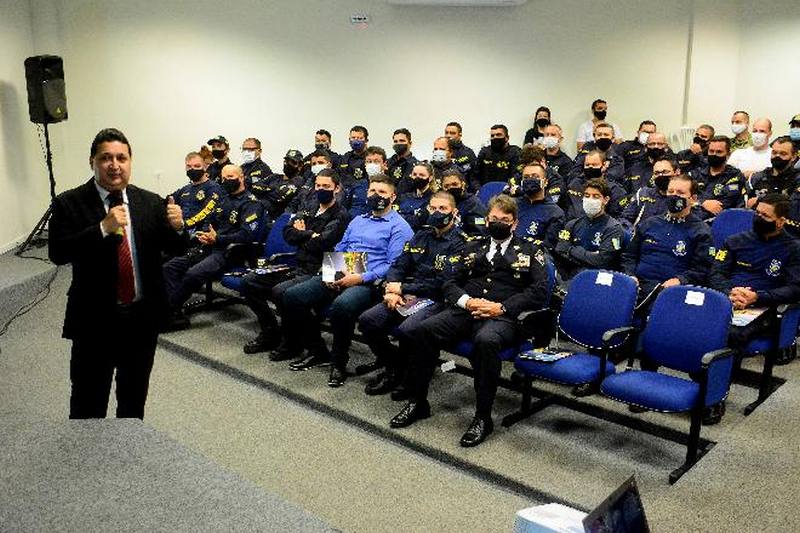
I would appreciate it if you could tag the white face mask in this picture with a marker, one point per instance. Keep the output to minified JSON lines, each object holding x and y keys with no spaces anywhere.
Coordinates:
{"x":592,"y":206}
{"x":315,"y":169}
{"x":439,"y":156}
{"x":738,"y":128}
{"x":549,"y":142}
{"x":248,"y":156}
{"x":759,"y":139}
{"x":373,"y":169}
{"x":643,"y":136}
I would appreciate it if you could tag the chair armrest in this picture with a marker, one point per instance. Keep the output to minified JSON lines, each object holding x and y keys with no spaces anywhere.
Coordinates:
{"x":783,"y":308}
{"x":716,"y":355}
{"x":611,"y":334}
{"x":525,"y":316}
{"x":242,"y":252}
{"x":536,"y":325}
{"x":281,"y":256}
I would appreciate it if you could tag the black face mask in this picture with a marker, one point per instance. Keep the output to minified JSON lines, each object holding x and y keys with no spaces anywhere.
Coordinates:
{"x":322,"y":146}
{"x":542,"y":122}
{"x":699,"y":141}
{"x":662,"y":182}
{"x":230,"y":186}
{"x":499,"y":231}
{"x":400,"y":149}
{"x":498,"y":144}
{"x":218,"y":154}
{"x":779,"y":164}
{"x":324,"y":196}
{"x":591,"y":173}
{"x":655,"y":153}
{"x":763,"y":227}
{"x":420,"y":184}
{"x":290,"y":171}
{"x":715,"y":161}
{"x":675,"y":203}
{"x":195,"y":174}
{"x":376,"y":202}
{"x":603,"y":144}
{"x":455,"y":144}
{"x":439,"y":220}
{"x":600,"y":115}
{"x":531,"y":186}
{"x":457,"y":193}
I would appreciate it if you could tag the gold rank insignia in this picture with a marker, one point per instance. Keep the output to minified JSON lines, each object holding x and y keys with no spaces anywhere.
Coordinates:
{"x":251,"y":218}
{"x":721,"y":255}
{"x":523,"y":261}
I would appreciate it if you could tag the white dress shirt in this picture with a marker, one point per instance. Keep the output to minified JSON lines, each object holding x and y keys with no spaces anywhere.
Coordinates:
{"x":494,"y":247}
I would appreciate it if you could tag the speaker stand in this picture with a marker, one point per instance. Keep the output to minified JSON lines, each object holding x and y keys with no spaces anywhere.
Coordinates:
{"x":35,"y":236}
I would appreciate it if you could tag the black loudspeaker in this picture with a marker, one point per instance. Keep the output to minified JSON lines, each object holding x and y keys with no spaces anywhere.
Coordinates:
{"x":47,"y":99}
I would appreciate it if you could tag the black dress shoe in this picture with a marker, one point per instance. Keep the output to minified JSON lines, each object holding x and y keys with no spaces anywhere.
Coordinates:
{"x":401,"y":393}
{"x":263,"y":343}
{"x":282,"y":353}
{"x":412,"y":412}
{"x":384,"y":383}
{"x":786,"y":356}
{"x":338,"y":377}
{"x":368,"y":368}
{"x":310,"y":361}
{"x":477,"y":432}
{"x":712,"y":415}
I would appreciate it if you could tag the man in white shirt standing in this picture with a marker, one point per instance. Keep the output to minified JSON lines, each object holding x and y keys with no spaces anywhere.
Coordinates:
{"x":757,"y":157}
{"x":586,"y":130}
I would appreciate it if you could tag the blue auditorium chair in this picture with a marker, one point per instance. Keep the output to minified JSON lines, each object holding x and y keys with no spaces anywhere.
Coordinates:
{"x":490,"y":189}
{"x":597,"y":314}
{"x":687,"y":332}
{"x":729,"y":222}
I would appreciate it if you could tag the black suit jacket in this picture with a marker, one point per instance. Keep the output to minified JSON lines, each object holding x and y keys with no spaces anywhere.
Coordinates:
{"x":75,"y":238}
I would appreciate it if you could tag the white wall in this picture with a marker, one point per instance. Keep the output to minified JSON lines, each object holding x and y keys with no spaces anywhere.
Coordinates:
{"x":23,"y":175}
{"x":172,"y":74}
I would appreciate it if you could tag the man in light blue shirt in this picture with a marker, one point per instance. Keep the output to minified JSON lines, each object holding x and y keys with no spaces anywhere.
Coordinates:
{"x":381,"y":233}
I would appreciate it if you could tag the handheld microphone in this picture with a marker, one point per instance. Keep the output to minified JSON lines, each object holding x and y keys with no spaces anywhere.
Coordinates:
{"x":114,"y":200}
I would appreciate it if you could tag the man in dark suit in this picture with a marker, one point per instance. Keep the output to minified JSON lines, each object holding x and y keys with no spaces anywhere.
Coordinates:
{"x":113,"y":234}
{"x":496,"y":279}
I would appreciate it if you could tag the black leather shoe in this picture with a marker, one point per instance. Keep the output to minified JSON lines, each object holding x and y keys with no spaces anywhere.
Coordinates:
{"x":337,"y":377}
{"x":282,"y":353}
{"x":263,"y":343}
{"x":384,"y":383}
{"x":310,"y":361}
{"x":786,"y":356}
{"x":477,"y":432}
{"x":401,"y":393}
{"x":712,"y":415}
{"x":368,"y":368}
{"x":412,"y":412}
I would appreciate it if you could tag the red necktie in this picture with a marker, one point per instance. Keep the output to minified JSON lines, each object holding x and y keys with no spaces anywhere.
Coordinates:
{"x":126,"y":285}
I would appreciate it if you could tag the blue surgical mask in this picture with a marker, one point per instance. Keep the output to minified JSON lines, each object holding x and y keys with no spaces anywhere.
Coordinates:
{"x":794,"y":133}
{"x":357,"y":145}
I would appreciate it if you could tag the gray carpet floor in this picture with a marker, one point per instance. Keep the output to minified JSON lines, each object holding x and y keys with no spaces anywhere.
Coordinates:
{"x":330,"y":451}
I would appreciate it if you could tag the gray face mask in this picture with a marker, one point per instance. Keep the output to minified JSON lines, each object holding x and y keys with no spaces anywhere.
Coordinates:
{"x":439,"y":156}
{"x":592,"y":206}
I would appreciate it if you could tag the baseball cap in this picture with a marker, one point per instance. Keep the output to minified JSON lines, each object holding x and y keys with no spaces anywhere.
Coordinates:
{"x":294,"y":155}
{"x":796,"y":119}
{"x":218,"y":139}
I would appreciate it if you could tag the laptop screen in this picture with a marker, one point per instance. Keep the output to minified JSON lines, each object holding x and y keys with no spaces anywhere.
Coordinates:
{"x":621,"y":512}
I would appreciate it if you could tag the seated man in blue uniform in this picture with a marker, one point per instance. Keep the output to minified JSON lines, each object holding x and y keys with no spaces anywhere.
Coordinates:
{"x":650,"y":201}
{"x":539,"y":217}
{"x":593,"y":240}
{"x":253,"y":167}
{"x":604,"y":143}
{"x":780,"y":177}
{"x":200,"y":197}
{"x":673,"y":248}
{"x":381,"y":233}
{"x":496,"y":279}
{"x":306,"y":197}
{"x":418,"y":274}
{"x":594,"y":165}
{"x":355,"y":191}
{"x":639,"y":173}
{"x":401,"y":163}
{"x":236,"y":219}
{"x":694,"y":157}
{"x":759,"y":268}
{"x":462,"y":156}
{"x":277,"y":190}
{"x":471,"y":211}
{"x":313,"y":232}
{"x":556,"y":160}
{"x":721,"y":185}
{"x":412,"y":205}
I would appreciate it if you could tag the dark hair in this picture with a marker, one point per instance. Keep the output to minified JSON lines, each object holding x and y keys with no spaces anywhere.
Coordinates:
{"x":452,"y":172}
{"x":603,"y":125}
{"x":543,"y":108}
{"x":328,"y":173}
{"x":500,"y":127}
{"x":687,"y":178}
{"x":745,"y":113}
{"x":383,"y":178}
{"x":597,"y":153}
{"x":109,"y":135}
{"x":531,"y":153}
{"x":721,"y":139}
{"x":708,"y":127}
{"x":671,"y":160}
{"x":504,"y":203}
{"x":778,"y":201}
{"x":444,"y":195}
{"x":324,"y":132}
{"x":403,"y":131}
{"x":360,"y":129}
{"x":783,"y":139}
{"x":372,"y":150}
{"x":255,"y":141}
{"x":599,"y":101}
{"x":457,"y":125}
{"x":600,"y":184}
{"x":320,"y":153}
{"x":647,"y":123}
